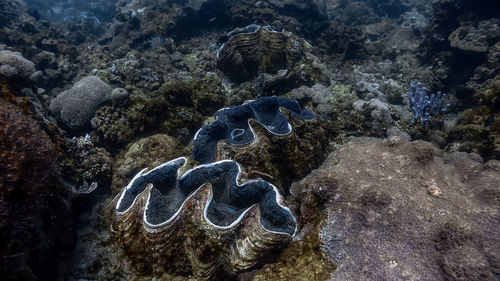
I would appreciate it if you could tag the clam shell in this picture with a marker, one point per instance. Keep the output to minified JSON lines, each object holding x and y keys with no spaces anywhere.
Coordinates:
{"x":207,"y":216}
{"x":281,"y":142}
{"x":260,"y":50}
{"x":232,"y":125}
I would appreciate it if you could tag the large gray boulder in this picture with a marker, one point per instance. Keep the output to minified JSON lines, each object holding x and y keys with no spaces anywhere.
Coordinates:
{"x":397,"y":210}
{"x":76,"y":106}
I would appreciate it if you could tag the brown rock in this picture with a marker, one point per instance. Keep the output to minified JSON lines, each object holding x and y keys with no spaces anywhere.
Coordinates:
{"x":404,"y":212}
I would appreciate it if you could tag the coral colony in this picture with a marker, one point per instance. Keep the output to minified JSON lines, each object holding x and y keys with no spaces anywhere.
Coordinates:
{"x":425,"y":105}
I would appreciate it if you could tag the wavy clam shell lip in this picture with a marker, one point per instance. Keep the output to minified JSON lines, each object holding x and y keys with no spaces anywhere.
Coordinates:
{"x":167,"y":194}
{"x":238,"y":31}
{"x":249,"y":51}
{"x":232,"y":124}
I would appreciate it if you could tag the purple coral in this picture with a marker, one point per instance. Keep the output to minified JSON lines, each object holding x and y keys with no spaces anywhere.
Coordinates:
{"x":425,"y":105}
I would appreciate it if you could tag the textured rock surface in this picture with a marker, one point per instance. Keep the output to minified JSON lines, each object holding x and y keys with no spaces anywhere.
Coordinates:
{"x":146,"y":152}
{"x":14,"y":64}
{"x":470,"y":38}
{"x":88,"y":165}
{"x":321,"y":97}
{"x":119,"y":96}
{"x":35,"y":222}
{"x":396,"y":210}
{"x":76,"y":106}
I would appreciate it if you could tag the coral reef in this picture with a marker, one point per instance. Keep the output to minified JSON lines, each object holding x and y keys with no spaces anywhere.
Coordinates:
{"x":173,"y":64}
{"x":471,"y":38}
{"x":206,"y":212}
{"x":35,"y":222}
{"x":119,"y":97}
{"x":76,"y":106}
{"x":478,"y":127}
{"x":176,"y":108}
{"x":14,"y":64}
{"x":320,"y":96}
{"x":87,"y":166}
{"x":379,"y":110}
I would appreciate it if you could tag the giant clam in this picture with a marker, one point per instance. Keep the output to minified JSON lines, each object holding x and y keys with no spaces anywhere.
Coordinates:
{"x":207,"y":214}
{"x":272,"y":137}
{"x":206,"y":220}
{"x":232,"y":126}
{"x":281,"y":58}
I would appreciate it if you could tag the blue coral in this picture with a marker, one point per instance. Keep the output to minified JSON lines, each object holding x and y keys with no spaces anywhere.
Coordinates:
{"x":425,"y":105}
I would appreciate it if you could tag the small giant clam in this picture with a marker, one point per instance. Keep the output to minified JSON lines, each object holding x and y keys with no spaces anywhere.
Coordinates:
{"x":204,"y":220}
{"x":280,"y":58}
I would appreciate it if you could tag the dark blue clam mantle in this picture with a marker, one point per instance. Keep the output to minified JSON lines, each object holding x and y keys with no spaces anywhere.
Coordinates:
{"x":230,"y":199}
{"x":232,"y":125}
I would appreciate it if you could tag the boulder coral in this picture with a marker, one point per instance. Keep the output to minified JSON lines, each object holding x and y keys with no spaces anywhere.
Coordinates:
{"x":76,"y":106}
{"x":388,"y":207}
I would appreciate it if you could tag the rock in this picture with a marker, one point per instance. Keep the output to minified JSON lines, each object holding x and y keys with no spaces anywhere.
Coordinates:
{"x":369,"y":90}
{"x":36,"y":223}
{"x":45,"y":59}
{"x":397,"y":132}
{"x":471,"y":38}
{"x":146,"y":152}
{"x":380,"y":110}
{"x":320,"y":95}
{"x":76,"y":106}
{"x":14,"y":64}
{"x":403,"y":212}
{"x":119,"y":96}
